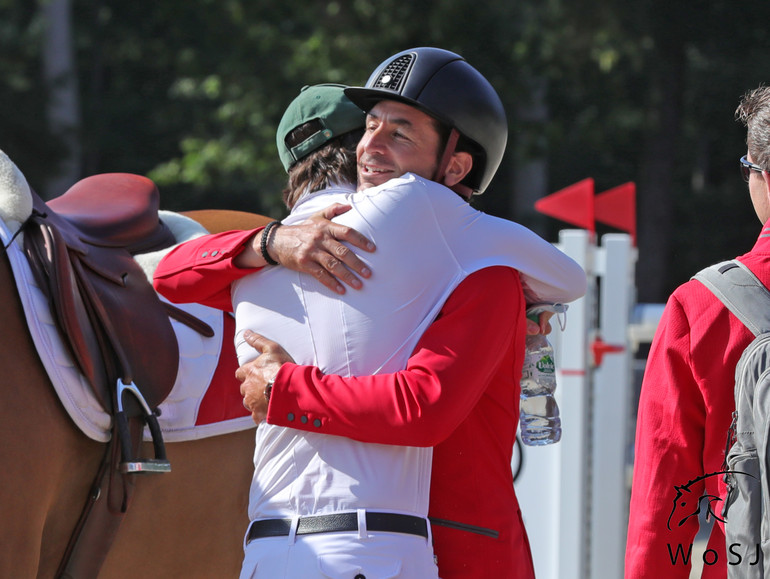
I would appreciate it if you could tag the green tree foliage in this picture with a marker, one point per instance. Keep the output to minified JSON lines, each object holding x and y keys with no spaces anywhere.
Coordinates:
{"x":190,"y":94}
{"x":23,"y":130}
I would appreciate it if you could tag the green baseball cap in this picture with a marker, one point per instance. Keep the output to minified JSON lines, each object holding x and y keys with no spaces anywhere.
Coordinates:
{"x":325,"y":103}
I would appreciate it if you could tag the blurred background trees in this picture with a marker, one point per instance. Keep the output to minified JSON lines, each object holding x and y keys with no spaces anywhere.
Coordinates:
{"x":190,"y":93}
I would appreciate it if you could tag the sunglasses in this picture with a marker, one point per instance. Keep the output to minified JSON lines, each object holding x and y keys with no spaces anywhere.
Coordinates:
{"x":747,"y":167}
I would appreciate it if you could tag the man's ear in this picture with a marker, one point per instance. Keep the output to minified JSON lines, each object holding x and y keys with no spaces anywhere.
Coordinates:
{"x":459,"y":166}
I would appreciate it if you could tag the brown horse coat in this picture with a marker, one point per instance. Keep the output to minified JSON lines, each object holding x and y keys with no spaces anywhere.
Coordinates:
{"x":186,"y":523}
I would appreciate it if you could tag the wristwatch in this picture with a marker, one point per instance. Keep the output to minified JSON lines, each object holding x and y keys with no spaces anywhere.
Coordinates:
{"x":269,"y":389}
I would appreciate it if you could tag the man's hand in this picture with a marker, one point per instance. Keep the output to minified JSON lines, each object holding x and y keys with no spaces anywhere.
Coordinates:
{"x":542,"y":326}
{"x":255,"y":375}
{"x":315,"y":247}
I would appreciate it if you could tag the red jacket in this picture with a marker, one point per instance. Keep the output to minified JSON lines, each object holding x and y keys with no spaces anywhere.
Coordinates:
{"x":459,"y":393}
{"x":685,"y":410}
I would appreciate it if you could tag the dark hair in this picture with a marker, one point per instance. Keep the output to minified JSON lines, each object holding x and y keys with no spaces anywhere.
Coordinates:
{"x":464,"y":145}
{"x":443,"y":131}
{"x":335,"y":162}
{"x":754,"y":112}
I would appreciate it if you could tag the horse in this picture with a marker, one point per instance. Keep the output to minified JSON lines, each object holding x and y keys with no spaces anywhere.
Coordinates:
{"x":188,"y":522}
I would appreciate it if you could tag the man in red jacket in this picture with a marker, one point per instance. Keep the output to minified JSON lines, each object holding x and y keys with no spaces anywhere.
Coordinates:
{"x":457,"y":392}
{"x":687,"y":398}
{"x":468,"y":362}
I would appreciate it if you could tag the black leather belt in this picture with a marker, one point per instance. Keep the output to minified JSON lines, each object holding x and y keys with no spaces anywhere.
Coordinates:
{"x":340,"y":522}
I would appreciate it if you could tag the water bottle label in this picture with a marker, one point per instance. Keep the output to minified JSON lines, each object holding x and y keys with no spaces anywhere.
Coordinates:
{"x":546,"y":365}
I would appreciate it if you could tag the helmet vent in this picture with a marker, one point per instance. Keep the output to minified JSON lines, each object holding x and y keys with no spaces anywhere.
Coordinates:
{"x":392,"y":77}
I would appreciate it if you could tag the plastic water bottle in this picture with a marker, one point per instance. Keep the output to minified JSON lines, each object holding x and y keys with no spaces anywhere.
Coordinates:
{"x":539,"y":420}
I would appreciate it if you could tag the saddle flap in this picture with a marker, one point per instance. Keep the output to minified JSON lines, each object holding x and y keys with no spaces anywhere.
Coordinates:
{"x":50,"y":264}
{"x":133,"y":316}
{"x":106,"y":309}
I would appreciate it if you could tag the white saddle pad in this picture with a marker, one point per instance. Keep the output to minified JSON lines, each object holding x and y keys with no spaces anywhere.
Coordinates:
{"x":198,"y":359}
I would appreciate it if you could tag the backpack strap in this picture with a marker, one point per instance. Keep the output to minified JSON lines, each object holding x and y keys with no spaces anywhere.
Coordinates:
{"x":740,"y":291}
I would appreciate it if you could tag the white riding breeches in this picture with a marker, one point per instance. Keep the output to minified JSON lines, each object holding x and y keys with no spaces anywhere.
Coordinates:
{"x":340,"y":556}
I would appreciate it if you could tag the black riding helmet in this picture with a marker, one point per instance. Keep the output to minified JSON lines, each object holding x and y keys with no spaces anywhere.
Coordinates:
{"x":443,"y":85}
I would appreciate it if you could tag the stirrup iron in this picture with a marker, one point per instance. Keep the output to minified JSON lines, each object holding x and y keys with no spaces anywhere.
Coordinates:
{"x":129,"y":464}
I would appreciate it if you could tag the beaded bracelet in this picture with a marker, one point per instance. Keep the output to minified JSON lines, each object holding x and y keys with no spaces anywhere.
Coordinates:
{"x":263,"y":243}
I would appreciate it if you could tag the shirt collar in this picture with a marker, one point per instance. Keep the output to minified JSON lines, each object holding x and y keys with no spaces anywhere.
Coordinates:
{"x":346,"y":187}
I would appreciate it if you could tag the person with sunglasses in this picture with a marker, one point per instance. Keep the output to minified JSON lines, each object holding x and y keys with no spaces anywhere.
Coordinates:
{"x":686,"y":402}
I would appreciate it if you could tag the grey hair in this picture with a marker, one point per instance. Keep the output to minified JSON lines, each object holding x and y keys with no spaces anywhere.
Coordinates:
{"x":754,"y":112}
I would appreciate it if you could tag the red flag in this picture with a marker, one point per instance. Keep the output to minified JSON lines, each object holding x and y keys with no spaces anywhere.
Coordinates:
{"x":573,"y":204}
{"x":617,"y":207}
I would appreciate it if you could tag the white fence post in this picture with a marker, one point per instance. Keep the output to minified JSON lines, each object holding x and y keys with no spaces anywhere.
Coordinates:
{"x":574,"y":494}
{"x":612,"y":389}
{"x":552,"y":487}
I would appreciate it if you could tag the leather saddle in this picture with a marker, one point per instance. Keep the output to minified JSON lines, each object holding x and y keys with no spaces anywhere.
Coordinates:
{"x":80,"y":248}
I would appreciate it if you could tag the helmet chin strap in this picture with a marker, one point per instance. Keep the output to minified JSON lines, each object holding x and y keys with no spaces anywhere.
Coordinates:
{"x":463,"y":191}
{"x":446,"y":157}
